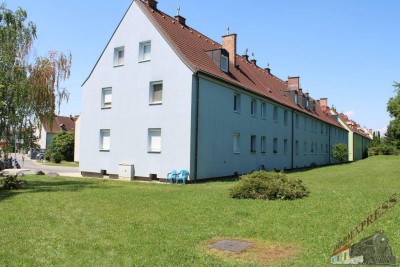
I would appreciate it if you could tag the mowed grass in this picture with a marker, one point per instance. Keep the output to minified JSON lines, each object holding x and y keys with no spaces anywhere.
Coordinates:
{"x":61,"y":164}
{"x":93,"y":222}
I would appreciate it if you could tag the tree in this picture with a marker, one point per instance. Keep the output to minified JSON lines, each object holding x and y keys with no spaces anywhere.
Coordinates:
{"x":340,"y":152}
{"x":393,"y":107}
{"x":29,"y":91}
{"x":63,"y":145}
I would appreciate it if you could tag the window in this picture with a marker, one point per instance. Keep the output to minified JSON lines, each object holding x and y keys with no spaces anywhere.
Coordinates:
{"x":275,"y":146}
{"x":263,"y":110}
{"x":253,"y":144}
{"x":224,"y":63}
{"x":285,"y":146}
{"x":322,"y":128}
{"x":154,"y":140}
{"x":106,"y":97}
{"x":316,"y":148}
{"x":119,"y":56}
{"x":305,"y":148}
{"x":263,"y":144}
{"x":326,"y":129}
{"x":236,"y":143}
{"x":236,"y":102}
{"x":253,"y":107}
{"x":297,"y":121}
{"x":297,"y":148}
{"x":305,"y":123}
{"x":322,"y":149}
{"x":296,"y":98}
{"x":327,"y":149}
{"x":285,"y":118}
{"x":105,"y":139}
{"x":156,"y":89}
{"x":312,"y":148}
{"x":275,"y":114}
{"x":145,"y":51}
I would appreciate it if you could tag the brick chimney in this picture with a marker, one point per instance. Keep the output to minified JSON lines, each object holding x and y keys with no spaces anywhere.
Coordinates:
{"x":152,"y":3}
{"x":323,"y":102}
{"x":229,"y":44}
{"x":294,"y":83}
{"x":181,"y":20}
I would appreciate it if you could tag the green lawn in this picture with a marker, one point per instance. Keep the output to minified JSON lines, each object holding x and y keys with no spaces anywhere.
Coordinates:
{"x":87,"y":222}
{"x":61,"y":164}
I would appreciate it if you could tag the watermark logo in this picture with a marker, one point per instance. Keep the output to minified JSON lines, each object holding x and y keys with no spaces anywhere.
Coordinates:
{"x":372,"y":250}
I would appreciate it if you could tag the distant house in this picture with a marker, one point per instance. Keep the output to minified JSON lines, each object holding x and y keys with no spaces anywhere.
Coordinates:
{"x":164,"y":96}
{"x":47,"y":131}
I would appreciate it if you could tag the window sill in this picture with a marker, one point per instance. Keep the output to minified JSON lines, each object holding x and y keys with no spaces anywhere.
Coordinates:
{"x":117,"y":66}
{"x":143,"y":61}
{"x":253,"y":116}
{"x":104,"y":150}
{"x":155,"y":104}
{"x":154,"y":152}
{"x":105,"y":107}
{"x":237,"y":152}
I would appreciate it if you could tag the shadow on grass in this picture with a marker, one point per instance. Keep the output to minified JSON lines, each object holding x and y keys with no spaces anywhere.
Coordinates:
{"x":50,"y":186}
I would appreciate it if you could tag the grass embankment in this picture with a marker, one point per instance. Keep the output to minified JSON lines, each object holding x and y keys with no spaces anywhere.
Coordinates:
{"x":61,"y":164}
{"x":88,"y":222}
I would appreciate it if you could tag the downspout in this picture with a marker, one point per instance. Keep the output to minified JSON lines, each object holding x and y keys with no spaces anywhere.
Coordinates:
{"x":292,"y":139}
{"x":196,"y":146}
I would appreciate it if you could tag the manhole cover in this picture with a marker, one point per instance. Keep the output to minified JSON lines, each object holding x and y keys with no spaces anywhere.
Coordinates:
{"x":231,"y":245}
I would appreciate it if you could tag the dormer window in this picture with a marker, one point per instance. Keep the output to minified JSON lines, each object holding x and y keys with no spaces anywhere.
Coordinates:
{"x":296,"y":98}
{"x":308,"y":103}
{"x":224,"y":63}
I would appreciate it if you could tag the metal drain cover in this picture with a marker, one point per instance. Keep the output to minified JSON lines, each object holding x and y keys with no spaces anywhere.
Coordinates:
{"x":231,"y":245}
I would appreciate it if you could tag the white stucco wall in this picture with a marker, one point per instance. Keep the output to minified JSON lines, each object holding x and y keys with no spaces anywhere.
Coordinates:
{"x":131,"y":115}
{"x":77,"y":139}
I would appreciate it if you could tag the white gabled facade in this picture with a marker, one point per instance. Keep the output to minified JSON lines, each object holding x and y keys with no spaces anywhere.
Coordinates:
{"x":132,"y":117}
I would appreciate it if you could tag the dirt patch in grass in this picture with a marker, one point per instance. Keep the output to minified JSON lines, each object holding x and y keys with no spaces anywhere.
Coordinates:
{"x":261,"y":252}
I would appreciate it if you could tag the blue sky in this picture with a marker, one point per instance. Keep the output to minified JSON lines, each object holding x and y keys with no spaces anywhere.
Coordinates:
{"x":345,"y":50}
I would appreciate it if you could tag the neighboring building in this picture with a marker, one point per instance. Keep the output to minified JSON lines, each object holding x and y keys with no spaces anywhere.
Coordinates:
{"x":77,"y":139}
{"x":163,"y":96}
{"x":47,"y":131}
{"x":358,"y":137}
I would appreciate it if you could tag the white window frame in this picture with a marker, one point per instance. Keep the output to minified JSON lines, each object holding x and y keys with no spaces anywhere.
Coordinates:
{"x":236,"y":143}
{"x":253,"y":144}
{"x":263,"y":110}
{"x":151,"y":93}
{"x":154,"y":140}
{"x":106,"y":98}
{"x":237,"y":102}
{"x":118,"y":61}
{"x":224,"y":63}
{"x":105,"y":140}
{"x":253,"y":106}
{"x":144,"y":55}
{"x":263,"y":143}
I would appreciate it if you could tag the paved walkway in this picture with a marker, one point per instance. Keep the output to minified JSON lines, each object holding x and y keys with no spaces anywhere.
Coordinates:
{"x":31,"y":166}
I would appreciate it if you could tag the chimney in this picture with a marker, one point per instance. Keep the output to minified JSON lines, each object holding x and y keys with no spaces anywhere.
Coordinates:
{"x":181,"y":20}
{"x":323,"y":102}
{"x":152,"y":3}
{"x":229,"y":44}
{"x":294,"y":83}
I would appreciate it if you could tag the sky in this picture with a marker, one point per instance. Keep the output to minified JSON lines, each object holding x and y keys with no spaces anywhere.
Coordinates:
{"x":345,"y":50}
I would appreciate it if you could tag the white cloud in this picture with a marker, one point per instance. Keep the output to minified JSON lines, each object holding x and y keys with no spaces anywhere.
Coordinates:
{"x":350,"y":113}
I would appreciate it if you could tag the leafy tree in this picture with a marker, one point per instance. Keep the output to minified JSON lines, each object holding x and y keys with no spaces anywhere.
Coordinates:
{"x":29,"y":91}
{"x":340,"y":152}
{"x":393,"y":107}
{"x":62,"y":146}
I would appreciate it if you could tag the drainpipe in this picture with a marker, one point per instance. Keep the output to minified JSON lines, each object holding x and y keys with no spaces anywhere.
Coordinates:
{"x":196,"y":147}
{"x":292,"y":138}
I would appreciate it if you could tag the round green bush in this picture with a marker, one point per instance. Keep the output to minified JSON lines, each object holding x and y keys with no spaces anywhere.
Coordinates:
{"x":269,"y":185}
{"x":56,"y":157}
{"x":47,"y":154}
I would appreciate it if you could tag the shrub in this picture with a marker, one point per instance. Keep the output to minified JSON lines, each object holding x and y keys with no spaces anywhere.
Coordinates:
{"x":383,"y":149}
{"x":11,"y":182}
{"x":340,"y":152}
{"x":56,"y":157}
{"x":373,"y":151}
{"x":64,"y":143}
{"x":269,"y":185}
{"x":47,"y":154}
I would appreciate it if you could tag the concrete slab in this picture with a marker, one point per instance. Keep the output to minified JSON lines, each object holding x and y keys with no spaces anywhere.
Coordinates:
{"x":231,"y":245}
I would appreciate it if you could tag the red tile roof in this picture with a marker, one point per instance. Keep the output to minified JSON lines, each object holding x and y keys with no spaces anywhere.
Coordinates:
{"x":354,"y":127}
{"x":192,"y":46}
{"x":61,"y":123}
